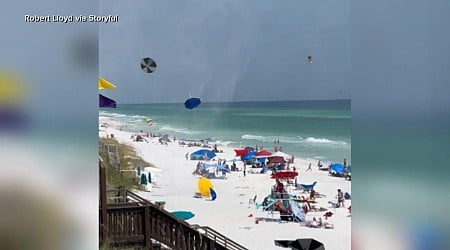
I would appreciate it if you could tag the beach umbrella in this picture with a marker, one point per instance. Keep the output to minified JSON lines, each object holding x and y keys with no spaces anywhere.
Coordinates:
{"x":104,"y":84}
{"x":263,"y":154}
{"x":204,"y":186}
{"x":248,"y":156}
{"x":144,"y":179}
{"x":301,"y":244}
{"x":241,"y":152}
{"x":105,"y":102}
{"x":281,"y":154}
{"x":192,"y":103}
{"x":139,"y":170}
{"x":183,"y":215}
{"x":338,"y":168}
{"x":284,"y":175}
{"x":276,"y":159}
{"x":205,"y":153}
{"x":148,"y":65}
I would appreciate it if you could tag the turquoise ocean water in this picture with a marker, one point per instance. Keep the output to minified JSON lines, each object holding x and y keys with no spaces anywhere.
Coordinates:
{"x":308,"y":129}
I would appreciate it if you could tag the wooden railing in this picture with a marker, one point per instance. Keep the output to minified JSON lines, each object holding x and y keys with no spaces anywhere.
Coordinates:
{"x":128,"y":220}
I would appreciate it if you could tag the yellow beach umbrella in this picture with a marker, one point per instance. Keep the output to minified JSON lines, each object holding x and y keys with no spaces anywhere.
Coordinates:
{"x":203,"y":186}
{"x":104,"y":84}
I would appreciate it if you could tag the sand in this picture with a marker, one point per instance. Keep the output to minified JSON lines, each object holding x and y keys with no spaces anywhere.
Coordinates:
{"x":174,"y":183}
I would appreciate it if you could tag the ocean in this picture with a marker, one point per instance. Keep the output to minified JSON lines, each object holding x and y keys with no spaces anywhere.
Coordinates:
{"x":307,"y":129}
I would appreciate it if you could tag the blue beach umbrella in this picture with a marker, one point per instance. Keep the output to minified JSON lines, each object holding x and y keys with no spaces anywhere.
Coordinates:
{"x":183,"y":215}
{"x":248,"y":156}
{"x":204,"y":152}
{"x":338,"y":168}
{"x":192,"y":103}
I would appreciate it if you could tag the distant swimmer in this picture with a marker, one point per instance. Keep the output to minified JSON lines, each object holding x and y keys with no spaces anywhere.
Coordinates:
{"x":309,"y":59}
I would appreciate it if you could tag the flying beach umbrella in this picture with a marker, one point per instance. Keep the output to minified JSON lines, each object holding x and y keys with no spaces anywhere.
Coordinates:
{"x":148,"y":65}
{"x":192,"y":103}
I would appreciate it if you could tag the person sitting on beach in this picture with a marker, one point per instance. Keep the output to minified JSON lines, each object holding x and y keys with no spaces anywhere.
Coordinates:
{"x":312,"y":195}
{"x":279,"y":189}
{"x":319,"y":164}
{"x":313,"y":223}
{"x":340,"y":198}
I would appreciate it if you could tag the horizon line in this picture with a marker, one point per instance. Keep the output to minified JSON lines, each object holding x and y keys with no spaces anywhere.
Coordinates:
{"x":219,"y":102}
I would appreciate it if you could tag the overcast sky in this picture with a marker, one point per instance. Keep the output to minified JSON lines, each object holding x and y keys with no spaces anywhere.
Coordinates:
{"x":226,"y":50}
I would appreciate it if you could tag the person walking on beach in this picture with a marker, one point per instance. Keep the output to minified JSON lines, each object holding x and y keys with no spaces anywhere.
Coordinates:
{"x":245,"y":168}
{"x":309,"y":168}
{"x":340,"y":198}
{"x":345,"y":163}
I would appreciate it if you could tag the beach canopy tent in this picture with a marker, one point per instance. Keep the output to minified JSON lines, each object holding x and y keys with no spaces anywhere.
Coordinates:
{"x":302,"y":244}
{"x":204,"y":186}
{"x":105,"y":102}
{"x":203,"y":154}
{"x":192,"y":103}
{"x":276,"y":159}
{"x":337,"y":168}
{"x":281,"y":154}
{"x":284,"y":175}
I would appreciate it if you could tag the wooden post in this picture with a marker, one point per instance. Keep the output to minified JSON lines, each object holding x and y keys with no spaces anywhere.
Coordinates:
{"x":103,"y":219}
{"x":147,"y":240}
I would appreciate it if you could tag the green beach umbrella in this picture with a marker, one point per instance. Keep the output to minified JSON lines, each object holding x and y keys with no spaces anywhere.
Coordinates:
{"x":144,"y":179}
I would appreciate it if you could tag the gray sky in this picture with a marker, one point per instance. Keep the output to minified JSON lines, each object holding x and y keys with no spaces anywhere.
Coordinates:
{"x":226,"y":50}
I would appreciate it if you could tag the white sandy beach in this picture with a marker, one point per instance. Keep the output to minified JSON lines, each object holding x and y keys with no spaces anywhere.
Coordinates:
{"x":174,"y":183}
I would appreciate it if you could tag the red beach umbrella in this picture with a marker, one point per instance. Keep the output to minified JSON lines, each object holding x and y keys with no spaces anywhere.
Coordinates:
{"x":263,"y":153}
{"x":241,"y":152}
{"x":285,"y":175}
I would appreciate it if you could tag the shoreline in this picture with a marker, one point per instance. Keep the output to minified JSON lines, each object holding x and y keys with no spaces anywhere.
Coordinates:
{"x":174,"y":183}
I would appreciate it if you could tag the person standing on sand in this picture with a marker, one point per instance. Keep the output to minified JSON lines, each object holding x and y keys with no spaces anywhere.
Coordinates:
{"x":309,"y":168}
{"x":345,"y":163}
{"x":340,"y":198}
{"x":319,"y":164}
{"x":245,"y":168}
